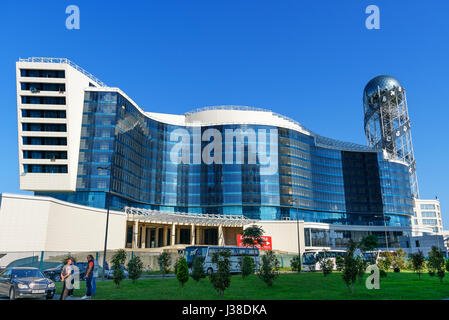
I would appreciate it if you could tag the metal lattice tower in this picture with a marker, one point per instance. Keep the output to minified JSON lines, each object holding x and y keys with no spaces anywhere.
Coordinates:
{"x":387,"y":124}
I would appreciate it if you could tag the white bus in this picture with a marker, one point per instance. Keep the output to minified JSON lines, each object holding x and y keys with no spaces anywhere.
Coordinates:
{"x":310,"y":259}
{"x":206,"y":252}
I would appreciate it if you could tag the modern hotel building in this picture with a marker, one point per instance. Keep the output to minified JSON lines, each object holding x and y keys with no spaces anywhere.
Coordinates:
{"x":199,"y":177}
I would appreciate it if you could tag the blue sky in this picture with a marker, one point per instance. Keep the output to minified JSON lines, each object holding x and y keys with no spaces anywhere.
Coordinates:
{"x":309,"y":60}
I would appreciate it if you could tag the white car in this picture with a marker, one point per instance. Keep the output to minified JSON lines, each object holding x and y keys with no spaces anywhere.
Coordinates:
{"x":109,"y":274}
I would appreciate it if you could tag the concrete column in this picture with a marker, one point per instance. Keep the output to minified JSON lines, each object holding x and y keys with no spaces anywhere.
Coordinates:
{"x":221,"y":241}
{"x":143,"y":237}
{"x":173,"y":234}
{"x":192,"y":235}
{"x":198,"y":235}
{"x":164,"y":241}
{"x":156,"y":238}
{"x":178,"y":235}
{"x":135,"y":234}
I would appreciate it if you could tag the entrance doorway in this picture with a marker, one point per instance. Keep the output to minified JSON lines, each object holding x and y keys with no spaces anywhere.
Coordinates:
{"x":211,"y":236}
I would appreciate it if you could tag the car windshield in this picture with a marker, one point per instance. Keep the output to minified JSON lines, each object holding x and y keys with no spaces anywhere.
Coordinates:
{"x":308,"y":258}
{"x":27,"y":273}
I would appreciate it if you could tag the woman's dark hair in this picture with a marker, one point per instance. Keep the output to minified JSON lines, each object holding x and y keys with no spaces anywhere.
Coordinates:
{"x":91,"y":257}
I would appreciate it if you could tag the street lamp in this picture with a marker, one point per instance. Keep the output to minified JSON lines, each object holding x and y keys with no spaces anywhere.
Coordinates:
{"x":107,"y":217}
{"x":296,"y":201}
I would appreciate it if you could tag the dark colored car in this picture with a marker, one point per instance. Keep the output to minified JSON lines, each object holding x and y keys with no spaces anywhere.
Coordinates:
{"x":82,"y":266}
{"x":54,"y":273}
{"x":24,"y":282}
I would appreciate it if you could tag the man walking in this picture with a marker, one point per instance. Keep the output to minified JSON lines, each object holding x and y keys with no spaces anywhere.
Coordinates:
{"x":89,"y":276}
{"x":66,"y":278}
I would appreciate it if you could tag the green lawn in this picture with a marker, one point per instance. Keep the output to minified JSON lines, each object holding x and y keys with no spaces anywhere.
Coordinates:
{"x":286,"y":287}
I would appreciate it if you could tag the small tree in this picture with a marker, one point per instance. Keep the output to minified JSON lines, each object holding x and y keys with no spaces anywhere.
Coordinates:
{"x":221,"y":279}
{"x":369,"y":243}
{"x":135,"y":268}
{"x":164,"y":263}
{"x":252,"y":237}
{"x":269,"y":270}
{"x":447,"y":265}
{"x":339,"y":263}
{"x":325,"y":263}
{"x":198,"y":268}
{"x":398,"y":260}
{"x":246,"y":266}
{"x":418,"y":261}
{"x":350,"y":269}
{"x":182,"y":272}
{"x":436,"y":262}
{"x":295,"y":264}
{"x":385,"y":261}
{"x":361,"y":265}
{"x":118,"y":260}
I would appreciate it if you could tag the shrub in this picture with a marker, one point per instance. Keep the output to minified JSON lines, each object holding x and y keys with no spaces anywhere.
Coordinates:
{"x":382,"y":273}
{"x":198,"y":268}
{"x":325,"y":263}
{"x":385,"y":260}
{"x":246,"y":266}
{"x":118,"y":260}
{"x":339,"y":262}
{"x":135,"y":268}
{"x":295,"y":264}
{"x":350,"y":269}
{"x":398,"y":260}
{"x":164,"y":263}
{"x":269,"y":270}
{"x":221,"y":279}
{"x":417,"y":261}
{"x":436,"y":262}
{"x":182,"y":272}
{"x":361,"y":266}
{"x":447,"y":265}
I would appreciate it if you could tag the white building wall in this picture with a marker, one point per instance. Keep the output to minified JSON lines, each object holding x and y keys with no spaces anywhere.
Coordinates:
{"x":29,"y":223}
{"x":284,"y":234}
{"x":75,"y":83}
{"x":418,"y":219}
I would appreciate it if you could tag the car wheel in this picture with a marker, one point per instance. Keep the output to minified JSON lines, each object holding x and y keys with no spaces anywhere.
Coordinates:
{"x":210,"y":271}
{"x":12,"y":294}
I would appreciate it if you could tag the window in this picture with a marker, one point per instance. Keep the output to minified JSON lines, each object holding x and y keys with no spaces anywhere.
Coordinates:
{"x":43,"y":113}
{"x":55,"y":127}
{"x":36,"y":87}
{"x":43,"y":100}
{"x":417,"y":243}
{"x":44,"y":168}
{"x":32,"y":154}
{"x":427,"y":206}
{"x":429,"y":214}
{"x":52,"y":141}
{"x":430,"y":221}
{"x":37,"y":73}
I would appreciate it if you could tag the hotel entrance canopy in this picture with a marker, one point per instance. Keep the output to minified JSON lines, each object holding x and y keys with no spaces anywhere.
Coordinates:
{"x":156,"y":216}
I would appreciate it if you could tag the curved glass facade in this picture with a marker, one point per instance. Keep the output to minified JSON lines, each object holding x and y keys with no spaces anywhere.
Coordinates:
{"x":128,"y":153}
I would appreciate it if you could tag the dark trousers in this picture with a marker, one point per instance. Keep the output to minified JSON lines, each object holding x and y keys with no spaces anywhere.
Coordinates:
{"x":89,"y":285}
{"x":64,"y":293}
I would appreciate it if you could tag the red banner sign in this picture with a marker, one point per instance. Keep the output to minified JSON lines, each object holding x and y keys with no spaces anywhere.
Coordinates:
{"x":267,"y":245}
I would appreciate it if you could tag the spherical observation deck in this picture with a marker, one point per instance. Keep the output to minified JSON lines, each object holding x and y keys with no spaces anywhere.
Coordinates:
{"x":383,"y":82}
